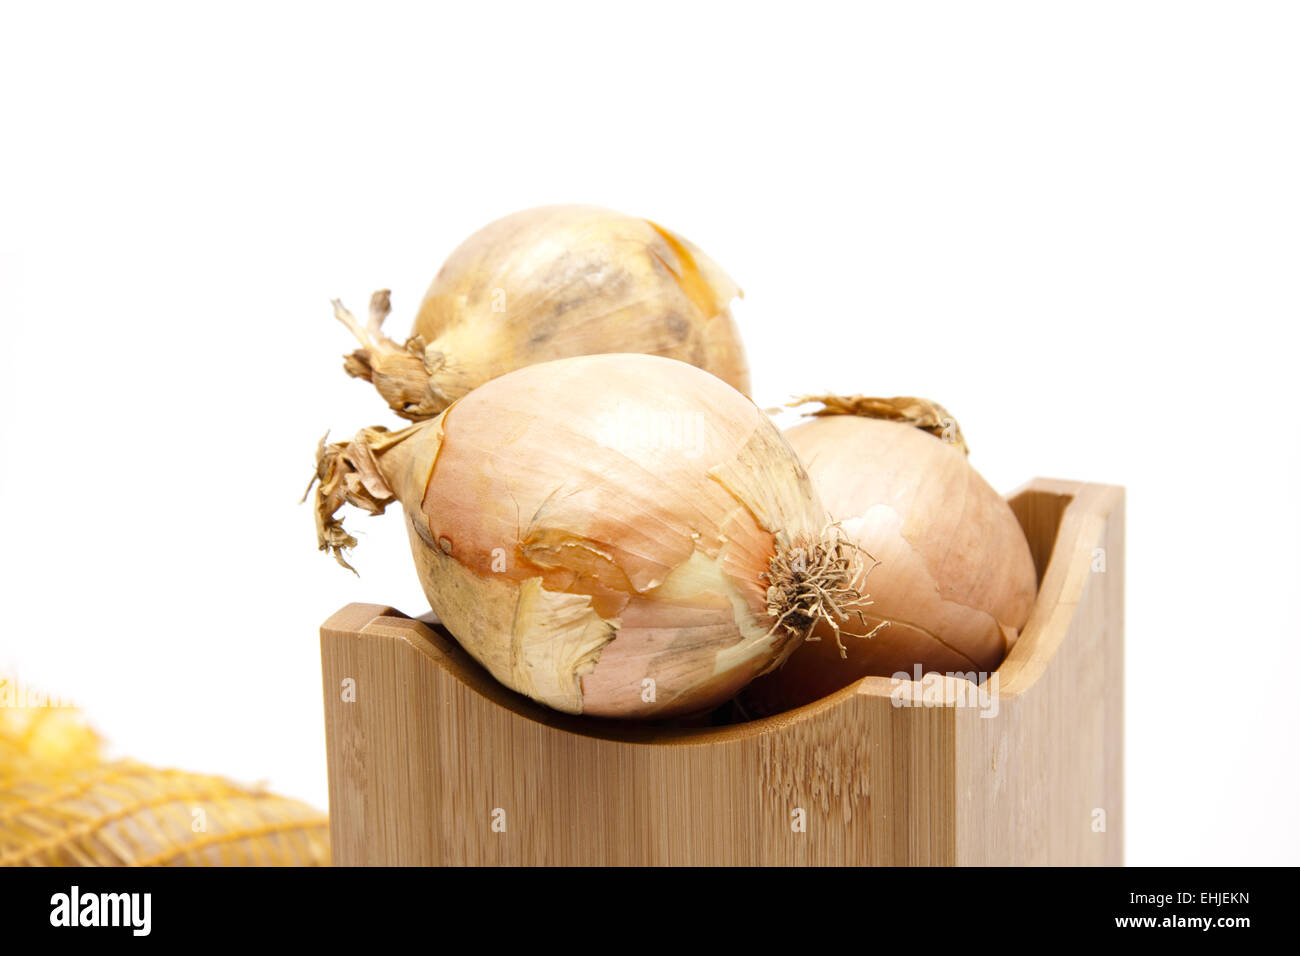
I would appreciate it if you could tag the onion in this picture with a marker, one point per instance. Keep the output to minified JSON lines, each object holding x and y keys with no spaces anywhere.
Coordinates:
{"x":955,"y":580}
{"x":549,"y":283}
{"x":614,"y":535}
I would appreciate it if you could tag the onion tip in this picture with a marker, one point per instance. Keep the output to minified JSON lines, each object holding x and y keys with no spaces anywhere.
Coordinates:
{"x":401,"y":373}
{"x":921,"y":413}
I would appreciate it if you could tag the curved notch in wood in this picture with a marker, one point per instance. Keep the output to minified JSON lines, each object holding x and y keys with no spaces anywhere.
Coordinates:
{"x":1062,"y":520}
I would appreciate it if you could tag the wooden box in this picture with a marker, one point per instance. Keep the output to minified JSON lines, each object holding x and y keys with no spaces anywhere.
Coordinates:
{"x":431,"y":761}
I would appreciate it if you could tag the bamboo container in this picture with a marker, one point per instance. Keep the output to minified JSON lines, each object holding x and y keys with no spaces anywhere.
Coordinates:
{"x":431,"y":761}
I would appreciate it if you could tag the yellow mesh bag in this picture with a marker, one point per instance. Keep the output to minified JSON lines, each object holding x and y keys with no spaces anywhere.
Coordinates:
{"x":61,"y":804}
{"x":127,"y":814}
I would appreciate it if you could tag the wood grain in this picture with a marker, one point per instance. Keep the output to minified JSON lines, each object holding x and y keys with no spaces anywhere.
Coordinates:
{"x":432,"y":751}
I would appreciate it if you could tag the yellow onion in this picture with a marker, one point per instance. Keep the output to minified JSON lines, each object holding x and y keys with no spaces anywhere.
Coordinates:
{"x":614,"y":535}
{"x":550,"y":283}
{"x":954,"y":582}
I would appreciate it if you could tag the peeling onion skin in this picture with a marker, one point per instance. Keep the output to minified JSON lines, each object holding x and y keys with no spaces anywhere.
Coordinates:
{"x":587,"y":525}
{"x":555,"y":282}
{"x":956,"y":580}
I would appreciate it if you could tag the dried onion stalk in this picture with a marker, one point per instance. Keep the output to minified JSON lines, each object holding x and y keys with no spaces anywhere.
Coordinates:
{"x":613,"y":535}
{"x":549,"y":283}
{"x":955,"y":579}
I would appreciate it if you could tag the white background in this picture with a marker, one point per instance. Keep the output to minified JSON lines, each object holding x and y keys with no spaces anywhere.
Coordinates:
{"x":1075,"y":225}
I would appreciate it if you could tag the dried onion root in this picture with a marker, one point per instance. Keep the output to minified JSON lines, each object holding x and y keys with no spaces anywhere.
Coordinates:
{"x":550,"y":283}
{"x":955,"y":579}
{"x":813,"y":585}
{"x":613,"y":535}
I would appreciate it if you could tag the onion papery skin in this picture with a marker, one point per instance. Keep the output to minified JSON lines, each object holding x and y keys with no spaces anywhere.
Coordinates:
{"x":587,"y":525}
{"x":955,"y":578}
{"x":556,"y":282}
